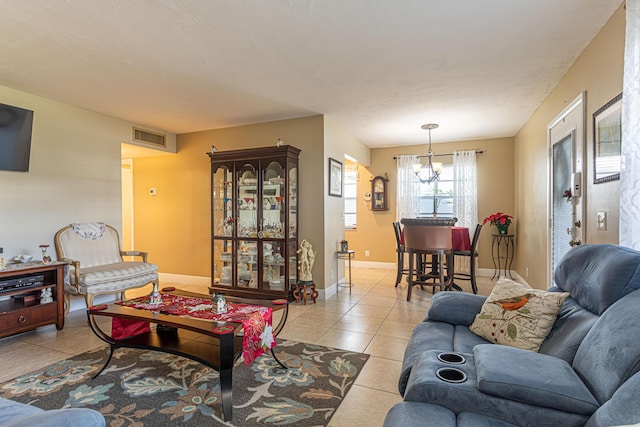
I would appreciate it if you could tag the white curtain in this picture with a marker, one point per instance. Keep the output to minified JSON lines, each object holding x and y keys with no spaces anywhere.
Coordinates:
{"x":408,"y":194}
{"x":465,"y":194}
{"x":465,"y":197}
{"x":630,"y":172}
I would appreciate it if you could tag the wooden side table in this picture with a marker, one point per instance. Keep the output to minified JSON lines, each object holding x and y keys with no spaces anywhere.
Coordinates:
{"x":304,"y":290}
{"x":344,"y":255}
{"x":502,"y":248}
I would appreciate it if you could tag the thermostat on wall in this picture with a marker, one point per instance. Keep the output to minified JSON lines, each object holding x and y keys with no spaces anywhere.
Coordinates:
{"x":367,"y":196}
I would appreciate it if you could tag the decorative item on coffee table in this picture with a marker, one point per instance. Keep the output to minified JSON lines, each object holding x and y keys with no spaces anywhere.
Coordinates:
{"x":305,"y":286}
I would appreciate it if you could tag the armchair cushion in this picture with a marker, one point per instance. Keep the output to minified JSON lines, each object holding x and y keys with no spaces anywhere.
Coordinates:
{"x":532,"y":378}
{"x":517,"y":315}
{"x":117,"y":271}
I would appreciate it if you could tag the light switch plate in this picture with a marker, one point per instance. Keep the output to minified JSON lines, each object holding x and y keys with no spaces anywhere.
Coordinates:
{"x":601,"y":220}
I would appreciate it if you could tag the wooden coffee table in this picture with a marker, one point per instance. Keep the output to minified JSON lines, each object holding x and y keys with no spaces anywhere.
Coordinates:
{"x":193,"y":338}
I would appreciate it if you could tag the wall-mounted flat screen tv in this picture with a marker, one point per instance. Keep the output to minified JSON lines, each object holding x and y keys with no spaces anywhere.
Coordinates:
{"x":15,"y":138}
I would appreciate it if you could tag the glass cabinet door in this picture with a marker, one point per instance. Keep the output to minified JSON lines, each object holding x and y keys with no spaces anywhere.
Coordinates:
{"x":222,"y":202}
{"x":273,"y":205}
{"x":293,"y":203}
{"x":248,"y":201}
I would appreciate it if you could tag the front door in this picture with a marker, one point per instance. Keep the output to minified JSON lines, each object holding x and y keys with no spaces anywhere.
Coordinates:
{"x":566,"y":206}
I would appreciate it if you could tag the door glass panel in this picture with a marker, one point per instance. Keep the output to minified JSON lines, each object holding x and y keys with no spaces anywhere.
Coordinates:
{"x":272,"y":201}
{"x":273,"y":265}
{"x":562,"y":207}
{"x":293,"y":203}
{"x":222,"y":261}
{"x":247,"y":264}
{"x":222,"y":200}
{"x":293,"y":264}
{"x":247,"y":202}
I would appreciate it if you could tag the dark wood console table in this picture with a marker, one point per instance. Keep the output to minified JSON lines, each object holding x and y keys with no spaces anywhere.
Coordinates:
{"x":21,"y":286}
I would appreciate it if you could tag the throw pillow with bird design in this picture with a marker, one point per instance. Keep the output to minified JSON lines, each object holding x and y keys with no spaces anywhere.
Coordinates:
{"x":518,"y":315}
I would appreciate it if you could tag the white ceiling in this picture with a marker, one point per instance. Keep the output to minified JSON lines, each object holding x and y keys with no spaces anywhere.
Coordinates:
{"x":380,"y":68}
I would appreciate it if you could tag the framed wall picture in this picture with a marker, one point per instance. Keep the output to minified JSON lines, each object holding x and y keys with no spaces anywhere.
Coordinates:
{"x":335,"y":178}
{"x":607,"y":138}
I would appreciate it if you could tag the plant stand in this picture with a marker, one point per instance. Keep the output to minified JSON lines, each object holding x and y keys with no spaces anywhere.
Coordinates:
{"x":304,"y":290}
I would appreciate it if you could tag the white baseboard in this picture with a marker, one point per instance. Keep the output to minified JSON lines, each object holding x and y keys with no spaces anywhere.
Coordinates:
{"x":182,"y":279}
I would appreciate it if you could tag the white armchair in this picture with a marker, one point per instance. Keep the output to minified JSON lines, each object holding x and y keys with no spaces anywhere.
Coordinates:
{"x":96,"y":264}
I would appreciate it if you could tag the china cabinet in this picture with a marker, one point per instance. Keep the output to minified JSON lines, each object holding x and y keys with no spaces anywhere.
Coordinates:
{"x":254,"y":206}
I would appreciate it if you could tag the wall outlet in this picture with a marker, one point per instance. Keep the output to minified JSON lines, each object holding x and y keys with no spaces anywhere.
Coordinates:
{"x":366,"y":253}
{"x":526,"y":272}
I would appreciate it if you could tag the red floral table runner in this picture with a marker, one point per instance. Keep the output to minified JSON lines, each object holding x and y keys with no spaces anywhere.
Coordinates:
{"x":256,"y":320}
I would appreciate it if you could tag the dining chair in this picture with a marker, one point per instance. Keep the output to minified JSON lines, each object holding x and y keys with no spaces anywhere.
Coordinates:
{"x":422,"y":240}
{"x":472,"y":255}
{"x":400,"y":251}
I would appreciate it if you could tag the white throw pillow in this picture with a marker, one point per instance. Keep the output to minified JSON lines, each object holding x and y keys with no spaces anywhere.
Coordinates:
{"x":518,"y":315}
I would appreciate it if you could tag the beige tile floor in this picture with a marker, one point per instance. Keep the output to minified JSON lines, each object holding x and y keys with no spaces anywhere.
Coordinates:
{"x":375,"y":319}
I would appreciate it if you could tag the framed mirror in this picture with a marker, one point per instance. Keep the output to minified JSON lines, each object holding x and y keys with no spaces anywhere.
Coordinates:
{"x":607,"y":138}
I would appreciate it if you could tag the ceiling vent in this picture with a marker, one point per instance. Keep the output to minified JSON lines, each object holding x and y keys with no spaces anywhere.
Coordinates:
{"x":141,"y":135}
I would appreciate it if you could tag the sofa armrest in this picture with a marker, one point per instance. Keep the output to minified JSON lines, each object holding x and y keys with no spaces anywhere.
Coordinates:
{"x":72,"y":417}
{"x":456,"y":308}
{"x":532,"y":378}
{"x":141,"y":254}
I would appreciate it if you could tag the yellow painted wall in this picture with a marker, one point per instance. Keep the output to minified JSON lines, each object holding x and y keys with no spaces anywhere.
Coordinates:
{"x":496,"y":192}
{"x":176,"y":222}
{"x":598,"y":71}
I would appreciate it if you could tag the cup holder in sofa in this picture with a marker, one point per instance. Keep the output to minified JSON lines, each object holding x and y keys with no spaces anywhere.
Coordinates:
{"x":451,"y":375}
{"x":451,"y":358}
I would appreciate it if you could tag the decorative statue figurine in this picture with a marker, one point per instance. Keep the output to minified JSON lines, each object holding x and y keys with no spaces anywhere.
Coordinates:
{"x":305,"y":263}
{"x":46,"y":296}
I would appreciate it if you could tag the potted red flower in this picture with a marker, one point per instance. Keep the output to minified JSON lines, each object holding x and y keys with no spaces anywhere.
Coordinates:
{"x":502,"y":221}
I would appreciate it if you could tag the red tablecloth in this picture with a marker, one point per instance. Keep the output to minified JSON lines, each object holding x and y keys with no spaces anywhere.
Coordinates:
{"x":460,"y":239}
{"x":256,"y":320}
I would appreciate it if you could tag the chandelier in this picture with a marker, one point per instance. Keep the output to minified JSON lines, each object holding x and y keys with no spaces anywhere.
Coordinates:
{"x":433,"y":169}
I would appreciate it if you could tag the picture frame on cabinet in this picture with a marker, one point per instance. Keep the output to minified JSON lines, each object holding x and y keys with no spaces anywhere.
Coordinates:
{"x":607,"y":138}
{"x":335,"y":178}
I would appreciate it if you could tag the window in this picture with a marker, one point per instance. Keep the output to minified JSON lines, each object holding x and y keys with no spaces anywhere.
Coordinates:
{"x":438,"y":196}
{"x":350,"y":193}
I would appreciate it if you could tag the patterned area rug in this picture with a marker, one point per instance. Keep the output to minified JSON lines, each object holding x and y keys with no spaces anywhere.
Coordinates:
{"x":149,"y":388}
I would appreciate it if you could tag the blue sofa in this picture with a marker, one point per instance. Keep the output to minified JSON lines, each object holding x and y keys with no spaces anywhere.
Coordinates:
{"x":14,"y":414}
{"x":592,"y":350}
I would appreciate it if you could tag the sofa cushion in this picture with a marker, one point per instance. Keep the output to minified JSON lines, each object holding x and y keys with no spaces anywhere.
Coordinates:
{"x":568,"y":331}
{"x":610,"y":353}
{"x":598,"y":275}
{"x":532,"y":378}
{"x":621,"y":409}
{"x":410,"y":414}
{"x":15,"y":414}
{"x":517,"y":315}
